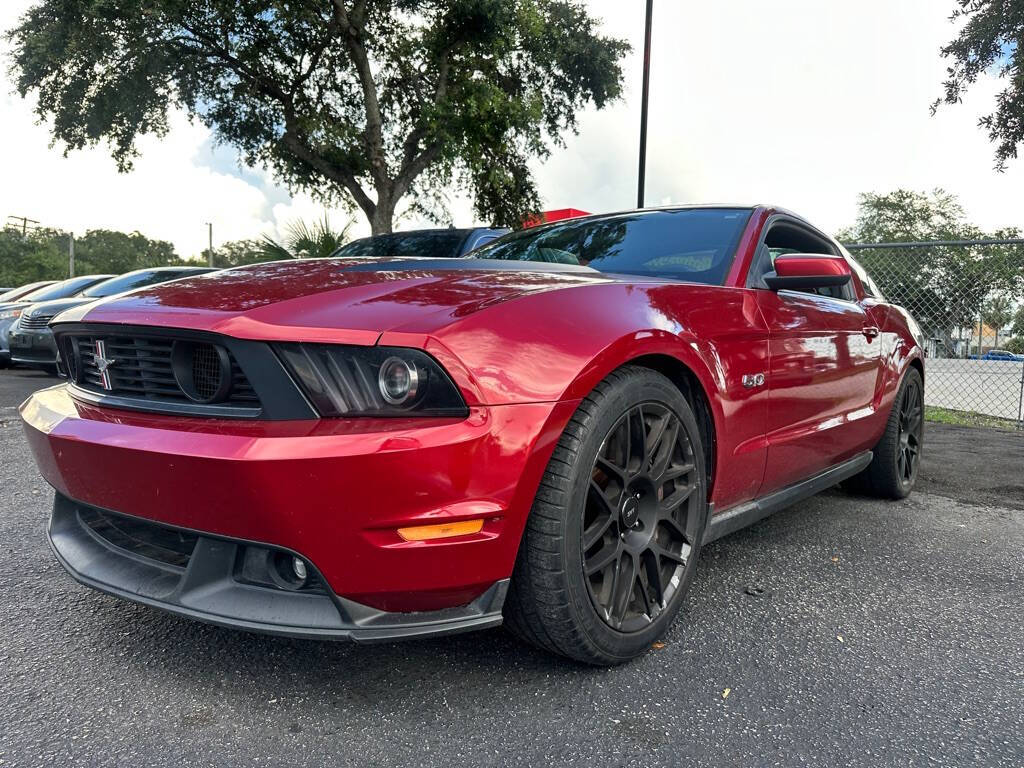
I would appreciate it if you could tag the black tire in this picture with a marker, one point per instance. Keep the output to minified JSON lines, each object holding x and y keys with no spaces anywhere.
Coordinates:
{"x":893,"y":471}
{"x":658,"y":495}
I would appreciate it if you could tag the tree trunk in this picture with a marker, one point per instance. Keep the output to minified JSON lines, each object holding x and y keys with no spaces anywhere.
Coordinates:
{"x":383,"y":214}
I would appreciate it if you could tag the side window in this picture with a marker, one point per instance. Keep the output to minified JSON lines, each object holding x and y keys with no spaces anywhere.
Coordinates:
{"x":869,"y":285}
{"x":785,"y":237}
{"x":481,"y":240}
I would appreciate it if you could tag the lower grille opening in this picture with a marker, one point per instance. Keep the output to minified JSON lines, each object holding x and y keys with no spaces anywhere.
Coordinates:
{"x":256,"y":565}
{"x":140,"y":537}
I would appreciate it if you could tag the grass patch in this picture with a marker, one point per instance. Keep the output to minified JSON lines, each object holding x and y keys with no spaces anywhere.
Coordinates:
{"x":966,"y":418}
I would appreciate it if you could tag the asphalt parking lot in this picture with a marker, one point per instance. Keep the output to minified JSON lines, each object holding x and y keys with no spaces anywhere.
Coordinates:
{"x":843,"y":631}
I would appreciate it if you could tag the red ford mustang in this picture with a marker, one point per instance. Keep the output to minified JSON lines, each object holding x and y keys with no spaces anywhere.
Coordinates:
{"x":545,"y":432}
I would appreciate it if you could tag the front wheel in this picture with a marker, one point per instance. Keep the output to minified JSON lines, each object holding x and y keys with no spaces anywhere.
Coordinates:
{"x":612,"y":540}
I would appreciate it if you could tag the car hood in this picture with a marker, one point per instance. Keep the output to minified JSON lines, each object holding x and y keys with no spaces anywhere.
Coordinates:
{"x":55,"y":306}
{"x":339,"y":300}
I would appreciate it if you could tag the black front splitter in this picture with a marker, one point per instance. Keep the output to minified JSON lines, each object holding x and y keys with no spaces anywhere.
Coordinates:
{"x":208,"y":591}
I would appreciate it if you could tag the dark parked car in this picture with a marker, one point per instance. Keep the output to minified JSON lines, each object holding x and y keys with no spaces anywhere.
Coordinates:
{"x":545,"y":433}
{"x":12,"y":294}
{"x":30,"y":340}
{"x":11,"y":310}
{"x":420,"y":243}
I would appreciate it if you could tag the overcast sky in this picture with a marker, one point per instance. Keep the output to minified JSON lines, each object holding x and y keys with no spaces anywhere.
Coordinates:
{"x":801,"y":103}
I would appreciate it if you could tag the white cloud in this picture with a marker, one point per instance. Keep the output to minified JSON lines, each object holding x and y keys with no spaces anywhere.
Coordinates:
{"x":799,"y":102}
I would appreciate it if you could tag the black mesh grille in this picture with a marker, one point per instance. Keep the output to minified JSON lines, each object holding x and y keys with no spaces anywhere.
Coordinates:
{"x":140,"y":367}
{"x":206,"y":373}
{"x":141,"y":537}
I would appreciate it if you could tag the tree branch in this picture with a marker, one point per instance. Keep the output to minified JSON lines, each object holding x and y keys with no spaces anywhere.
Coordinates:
{"x":301,"y":150}
{"x":413,"y":165}
{"x":352,"y":27}
{"x":419,"y":164}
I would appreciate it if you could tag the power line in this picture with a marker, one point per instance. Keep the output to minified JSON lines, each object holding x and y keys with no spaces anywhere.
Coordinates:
{"x":25,"y":221}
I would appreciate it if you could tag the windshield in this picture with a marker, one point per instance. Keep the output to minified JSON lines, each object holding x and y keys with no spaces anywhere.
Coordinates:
{"x":135,"y":280}
{"x":431,"y":244}
{"x":695,"y":244}
{"x":61,"y":290}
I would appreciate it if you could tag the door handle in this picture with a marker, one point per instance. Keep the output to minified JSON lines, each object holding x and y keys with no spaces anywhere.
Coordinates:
{"x":870,"y":331}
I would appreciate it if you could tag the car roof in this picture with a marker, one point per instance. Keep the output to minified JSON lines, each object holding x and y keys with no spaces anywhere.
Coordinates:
{"x":169,"y":269}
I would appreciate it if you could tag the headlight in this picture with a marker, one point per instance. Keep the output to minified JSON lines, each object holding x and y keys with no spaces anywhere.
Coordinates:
{"x":371,"y":381}
{"x":10,"y":314}
{"x":398,"y":381}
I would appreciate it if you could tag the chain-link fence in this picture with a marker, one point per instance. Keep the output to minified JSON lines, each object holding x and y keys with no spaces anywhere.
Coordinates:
{"x":968,"y":298}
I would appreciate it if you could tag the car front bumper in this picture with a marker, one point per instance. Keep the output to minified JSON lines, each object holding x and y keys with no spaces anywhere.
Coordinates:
{"x":208,"y":587}
{"x":32,"y":348}
{"x":5,"y":351}
{"x":332,"y":491}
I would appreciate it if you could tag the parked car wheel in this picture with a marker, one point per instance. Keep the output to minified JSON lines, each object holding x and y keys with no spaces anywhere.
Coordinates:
{"x":613,"y":538}
{"x":893,"y":471}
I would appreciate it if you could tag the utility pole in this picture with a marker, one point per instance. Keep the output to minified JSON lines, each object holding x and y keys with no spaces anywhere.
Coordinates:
{"x":643,"y":108}
{"x":209,"y":229}
{"x":25,"y":221}
{"x":71,"y":254}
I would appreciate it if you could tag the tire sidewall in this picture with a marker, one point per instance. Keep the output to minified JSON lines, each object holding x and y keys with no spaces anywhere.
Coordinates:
{"x":905,"y":487}
{"x":623,"y":395}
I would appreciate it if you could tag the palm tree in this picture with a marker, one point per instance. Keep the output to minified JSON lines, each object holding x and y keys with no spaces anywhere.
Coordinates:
{"x":997,"y":313}
{"x":302,"y":241}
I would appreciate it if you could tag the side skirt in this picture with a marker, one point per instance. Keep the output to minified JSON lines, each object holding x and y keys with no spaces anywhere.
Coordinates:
{"x":750,"y":512}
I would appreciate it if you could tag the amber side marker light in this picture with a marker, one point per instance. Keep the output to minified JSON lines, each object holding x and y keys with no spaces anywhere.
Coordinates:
{"x":440,"y":530}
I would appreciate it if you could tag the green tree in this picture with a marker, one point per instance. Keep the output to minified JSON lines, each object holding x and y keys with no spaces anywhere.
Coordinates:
{"x":236,"y":253}
{"x":302,"y":241}
{"x":359,"y":100}
{"x":997,"y":313}
{"x":990,"y":42}
{"x":105,"y":251}
{"x":1018,"y":322}
{"x":943,"y":287}
{"x":41,"y":255}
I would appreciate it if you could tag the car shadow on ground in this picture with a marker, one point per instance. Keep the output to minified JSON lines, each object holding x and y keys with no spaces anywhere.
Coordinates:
{"x":733,"y":575}
{"x":485,"y":660}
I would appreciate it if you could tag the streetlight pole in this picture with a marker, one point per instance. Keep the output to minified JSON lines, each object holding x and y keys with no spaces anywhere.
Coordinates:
{"x":71,"y":254}
{"x":209,"y":229}
{"x":643,"y":108}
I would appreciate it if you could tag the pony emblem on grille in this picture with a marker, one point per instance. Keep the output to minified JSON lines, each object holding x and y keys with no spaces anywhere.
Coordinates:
{"x":103,"y":363}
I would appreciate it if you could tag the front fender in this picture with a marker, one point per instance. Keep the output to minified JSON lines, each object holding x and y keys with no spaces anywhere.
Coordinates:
{"x":557,"y":346}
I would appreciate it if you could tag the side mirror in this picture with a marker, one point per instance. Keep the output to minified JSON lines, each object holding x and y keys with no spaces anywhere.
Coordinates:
{"x":801,"y":271}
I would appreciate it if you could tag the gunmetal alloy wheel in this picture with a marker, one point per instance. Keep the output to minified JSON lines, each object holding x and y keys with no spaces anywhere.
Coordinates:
{"x":612,"y":541}
{"x":893,"y":470}
{"x":639,"y":519}
{"x":911,"y":425}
